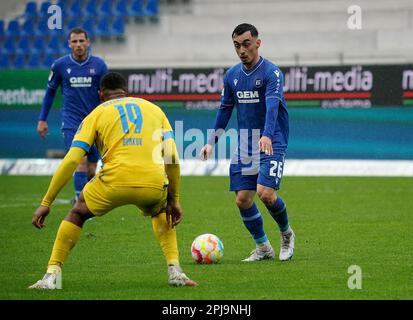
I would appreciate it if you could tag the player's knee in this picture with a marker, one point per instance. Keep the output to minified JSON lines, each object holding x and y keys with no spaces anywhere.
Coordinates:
{"x":266,"y":195}
{"x":244,"y":201}
{"x":76,"y":217}
{"x":79,"y":213}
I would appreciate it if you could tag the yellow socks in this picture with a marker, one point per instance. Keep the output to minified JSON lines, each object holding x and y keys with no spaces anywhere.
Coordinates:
{"x":66,"y":238}
{"x":69,"y":233}
{"x":167,"y":238}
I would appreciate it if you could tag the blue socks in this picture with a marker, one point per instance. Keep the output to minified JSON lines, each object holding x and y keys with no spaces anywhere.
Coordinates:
{"x":253,"y":222}
{"x":278,"y":211}
{"x":79,"y":179}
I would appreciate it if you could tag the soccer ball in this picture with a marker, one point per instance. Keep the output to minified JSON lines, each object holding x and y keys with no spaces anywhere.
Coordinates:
{"x":207,"y":248}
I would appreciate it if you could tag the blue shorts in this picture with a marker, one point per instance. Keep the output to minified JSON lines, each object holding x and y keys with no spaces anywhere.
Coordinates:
{"x":268,"y":173}
{"x":93,"y":154}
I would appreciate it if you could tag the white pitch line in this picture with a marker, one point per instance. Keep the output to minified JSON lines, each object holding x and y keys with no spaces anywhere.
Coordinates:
{"x":24,"y":204}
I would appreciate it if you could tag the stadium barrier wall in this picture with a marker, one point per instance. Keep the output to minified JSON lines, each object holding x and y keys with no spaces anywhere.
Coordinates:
{"x":348,"y":86}
{"x":326,"y":121}
{"x":315,"y":133}
{"x":348,"y":168}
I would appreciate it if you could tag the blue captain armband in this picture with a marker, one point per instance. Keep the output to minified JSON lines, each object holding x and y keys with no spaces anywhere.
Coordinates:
{"x":81,"y":145}
{"x":168,"y":134}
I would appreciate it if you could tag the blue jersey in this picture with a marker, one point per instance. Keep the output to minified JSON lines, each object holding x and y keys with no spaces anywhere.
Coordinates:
{"x":80,"y":84}
{"x":258,"y":97}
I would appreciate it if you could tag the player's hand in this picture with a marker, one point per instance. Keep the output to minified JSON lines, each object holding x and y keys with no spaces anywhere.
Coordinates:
{"x":205,"y":152}
{"x":42,"y":129}
{"x":39,"y":216}
{"x":173,"y":213}
{"x":266,"y":145}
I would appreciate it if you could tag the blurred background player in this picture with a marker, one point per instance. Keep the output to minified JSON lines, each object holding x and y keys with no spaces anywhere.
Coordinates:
{"x":255,"y":88}
{"x":78,"y":74}
{"x":140,"y":159}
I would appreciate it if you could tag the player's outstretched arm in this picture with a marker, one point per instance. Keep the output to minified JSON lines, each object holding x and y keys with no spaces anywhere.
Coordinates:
{"x":62,"y":175}
{"x":173,"y":171}
{"x":173,"y":208}
{"x":221,"y":121}
{"x":42,"y":127}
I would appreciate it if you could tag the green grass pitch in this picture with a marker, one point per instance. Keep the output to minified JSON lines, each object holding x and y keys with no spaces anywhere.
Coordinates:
{"x":338,"y":222}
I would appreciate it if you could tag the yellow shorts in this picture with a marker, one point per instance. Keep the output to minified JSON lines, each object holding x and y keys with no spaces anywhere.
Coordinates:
{"x":101,"y":198}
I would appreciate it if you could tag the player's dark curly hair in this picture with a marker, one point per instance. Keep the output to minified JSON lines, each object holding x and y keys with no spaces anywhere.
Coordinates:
{"x":244,"y":27}
{"x":113,"y":81}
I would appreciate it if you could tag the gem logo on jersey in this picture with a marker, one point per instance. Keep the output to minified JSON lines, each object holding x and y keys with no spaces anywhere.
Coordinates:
{"x":80,"y":81}
{"x":248,"y":96}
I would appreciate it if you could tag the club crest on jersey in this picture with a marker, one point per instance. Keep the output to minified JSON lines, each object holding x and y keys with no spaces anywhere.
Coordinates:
{"x":92,"y":71}
{"x":235,"y":82}
{"x":68,"y":70}
{"x":258,"y":83}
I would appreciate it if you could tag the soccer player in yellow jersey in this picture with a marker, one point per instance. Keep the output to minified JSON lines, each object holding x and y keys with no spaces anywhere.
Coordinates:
{"x":140,"y":167}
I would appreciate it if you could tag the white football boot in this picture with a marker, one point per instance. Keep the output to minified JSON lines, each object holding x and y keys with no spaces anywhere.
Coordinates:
{"x":179,"y":279}
{"x":287,"y":245}
{"x":261,"y":252}
{"x":50,"y":281}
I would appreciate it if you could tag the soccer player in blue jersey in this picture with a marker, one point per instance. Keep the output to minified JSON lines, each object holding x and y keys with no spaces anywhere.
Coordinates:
{"x":255,"y":88}
{"x":78,"y":74}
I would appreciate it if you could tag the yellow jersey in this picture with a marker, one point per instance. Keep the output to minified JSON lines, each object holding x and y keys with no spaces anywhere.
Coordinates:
{"x":129,"y":134}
